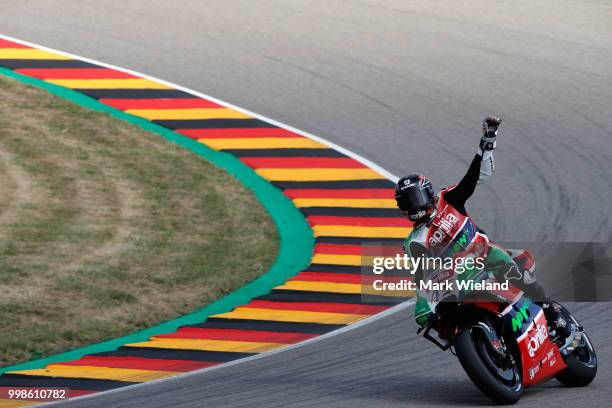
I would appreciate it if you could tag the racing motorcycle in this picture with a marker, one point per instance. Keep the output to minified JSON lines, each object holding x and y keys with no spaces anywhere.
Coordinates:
{"x":505,"y":343}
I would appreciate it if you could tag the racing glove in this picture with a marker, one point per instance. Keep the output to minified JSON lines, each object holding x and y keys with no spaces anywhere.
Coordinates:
{"x":488,"y":141}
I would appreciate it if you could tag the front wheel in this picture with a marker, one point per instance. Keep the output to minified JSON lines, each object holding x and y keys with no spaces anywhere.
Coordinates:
{"x":581,"y":362}
{"x":499,"y":380}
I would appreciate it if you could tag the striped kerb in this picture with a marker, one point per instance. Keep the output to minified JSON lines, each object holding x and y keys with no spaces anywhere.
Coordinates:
{"x":345,"y":202}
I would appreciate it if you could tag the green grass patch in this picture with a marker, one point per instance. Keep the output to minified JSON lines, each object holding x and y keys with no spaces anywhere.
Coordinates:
{"x":106,"y":229}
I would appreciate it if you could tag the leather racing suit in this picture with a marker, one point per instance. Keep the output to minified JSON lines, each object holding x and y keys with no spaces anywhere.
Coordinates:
{"x":450,"y":232}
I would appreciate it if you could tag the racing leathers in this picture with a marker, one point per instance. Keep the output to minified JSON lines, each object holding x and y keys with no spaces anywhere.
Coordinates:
{"x":450,"y":232}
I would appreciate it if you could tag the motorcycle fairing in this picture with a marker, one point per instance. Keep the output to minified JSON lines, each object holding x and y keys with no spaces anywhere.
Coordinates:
{"x":540,"y":357}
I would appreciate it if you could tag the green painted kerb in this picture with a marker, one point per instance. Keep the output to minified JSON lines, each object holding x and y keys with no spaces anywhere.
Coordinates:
{"x":296,"y":237}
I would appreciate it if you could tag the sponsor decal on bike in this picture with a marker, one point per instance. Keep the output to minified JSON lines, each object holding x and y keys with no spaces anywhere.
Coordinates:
{"x":521,"y":317}
{"x":537,"y":339}
{"x":533,"y":371}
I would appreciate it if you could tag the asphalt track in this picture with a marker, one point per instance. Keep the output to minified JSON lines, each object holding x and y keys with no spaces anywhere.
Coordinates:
{"x":404,"y":84}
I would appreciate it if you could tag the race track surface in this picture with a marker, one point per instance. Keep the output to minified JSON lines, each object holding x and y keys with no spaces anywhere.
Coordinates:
{"x":405,"y":84}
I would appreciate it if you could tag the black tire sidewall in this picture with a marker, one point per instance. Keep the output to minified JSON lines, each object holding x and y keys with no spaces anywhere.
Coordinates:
{"x":576,"y":374}
{"x":480,"y":375}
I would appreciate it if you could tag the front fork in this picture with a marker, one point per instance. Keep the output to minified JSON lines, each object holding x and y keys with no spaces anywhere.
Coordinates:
{"x":495,"y":344}
{"x":432,"y":321}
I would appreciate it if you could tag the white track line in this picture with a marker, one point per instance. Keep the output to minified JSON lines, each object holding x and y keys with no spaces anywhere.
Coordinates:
{"x":341,"y":149}
{"x":388,"y":312}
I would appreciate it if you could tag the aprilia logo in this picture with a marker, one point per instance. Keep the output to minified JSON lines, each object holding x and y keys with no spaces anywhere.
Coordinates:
{"x":537,"y":340}
{"x":418,"y":215}
{"x":445,"y":226}
{"x":447,"y":223}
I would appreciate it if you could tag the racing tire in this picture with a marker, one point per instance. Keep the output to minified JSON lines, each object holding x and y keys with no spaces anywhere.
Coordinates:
{"x":581,"y":363}
{"x":471,"y":350}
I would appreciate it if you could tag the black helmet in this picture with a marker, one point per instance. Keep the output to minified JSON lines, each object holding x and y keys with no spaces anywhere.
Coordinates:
{"x":415,"y":197}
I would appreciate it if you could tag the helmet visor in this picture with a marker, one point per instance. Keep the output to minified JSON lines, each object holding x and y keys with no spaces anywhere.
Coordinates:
{"x":413,"y":199}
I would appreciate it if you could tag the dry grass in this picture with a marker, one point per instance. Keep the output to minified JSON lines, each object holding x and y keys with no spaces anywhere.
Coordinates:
{"x":106,"y":229}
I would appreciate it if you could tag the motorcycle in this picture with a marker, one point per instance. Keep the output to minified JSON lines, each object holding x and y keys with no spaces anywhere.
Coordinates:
{"x":506,"y":344}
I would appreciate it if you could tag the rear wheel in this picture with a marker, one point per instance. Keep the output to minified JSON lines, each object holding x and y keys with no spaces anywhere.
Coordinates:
{"x":499,"y":379}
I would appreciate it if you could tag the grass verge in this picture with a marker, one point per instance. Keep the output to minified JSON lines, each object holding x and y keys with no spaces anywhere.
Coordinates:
{"x":106,"y":229}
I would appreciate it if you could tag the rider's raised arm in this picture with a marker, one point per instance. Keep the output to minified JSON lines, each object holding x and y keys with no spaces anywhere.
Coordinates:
{"x":459,"y":194}
{"x":480,"y":169}
{"x":487,"y":166}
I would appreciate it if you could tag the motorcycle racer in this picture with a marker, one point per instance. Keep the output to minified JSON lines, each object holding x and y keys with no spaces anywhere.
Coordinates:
{"x":442,"y":226}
